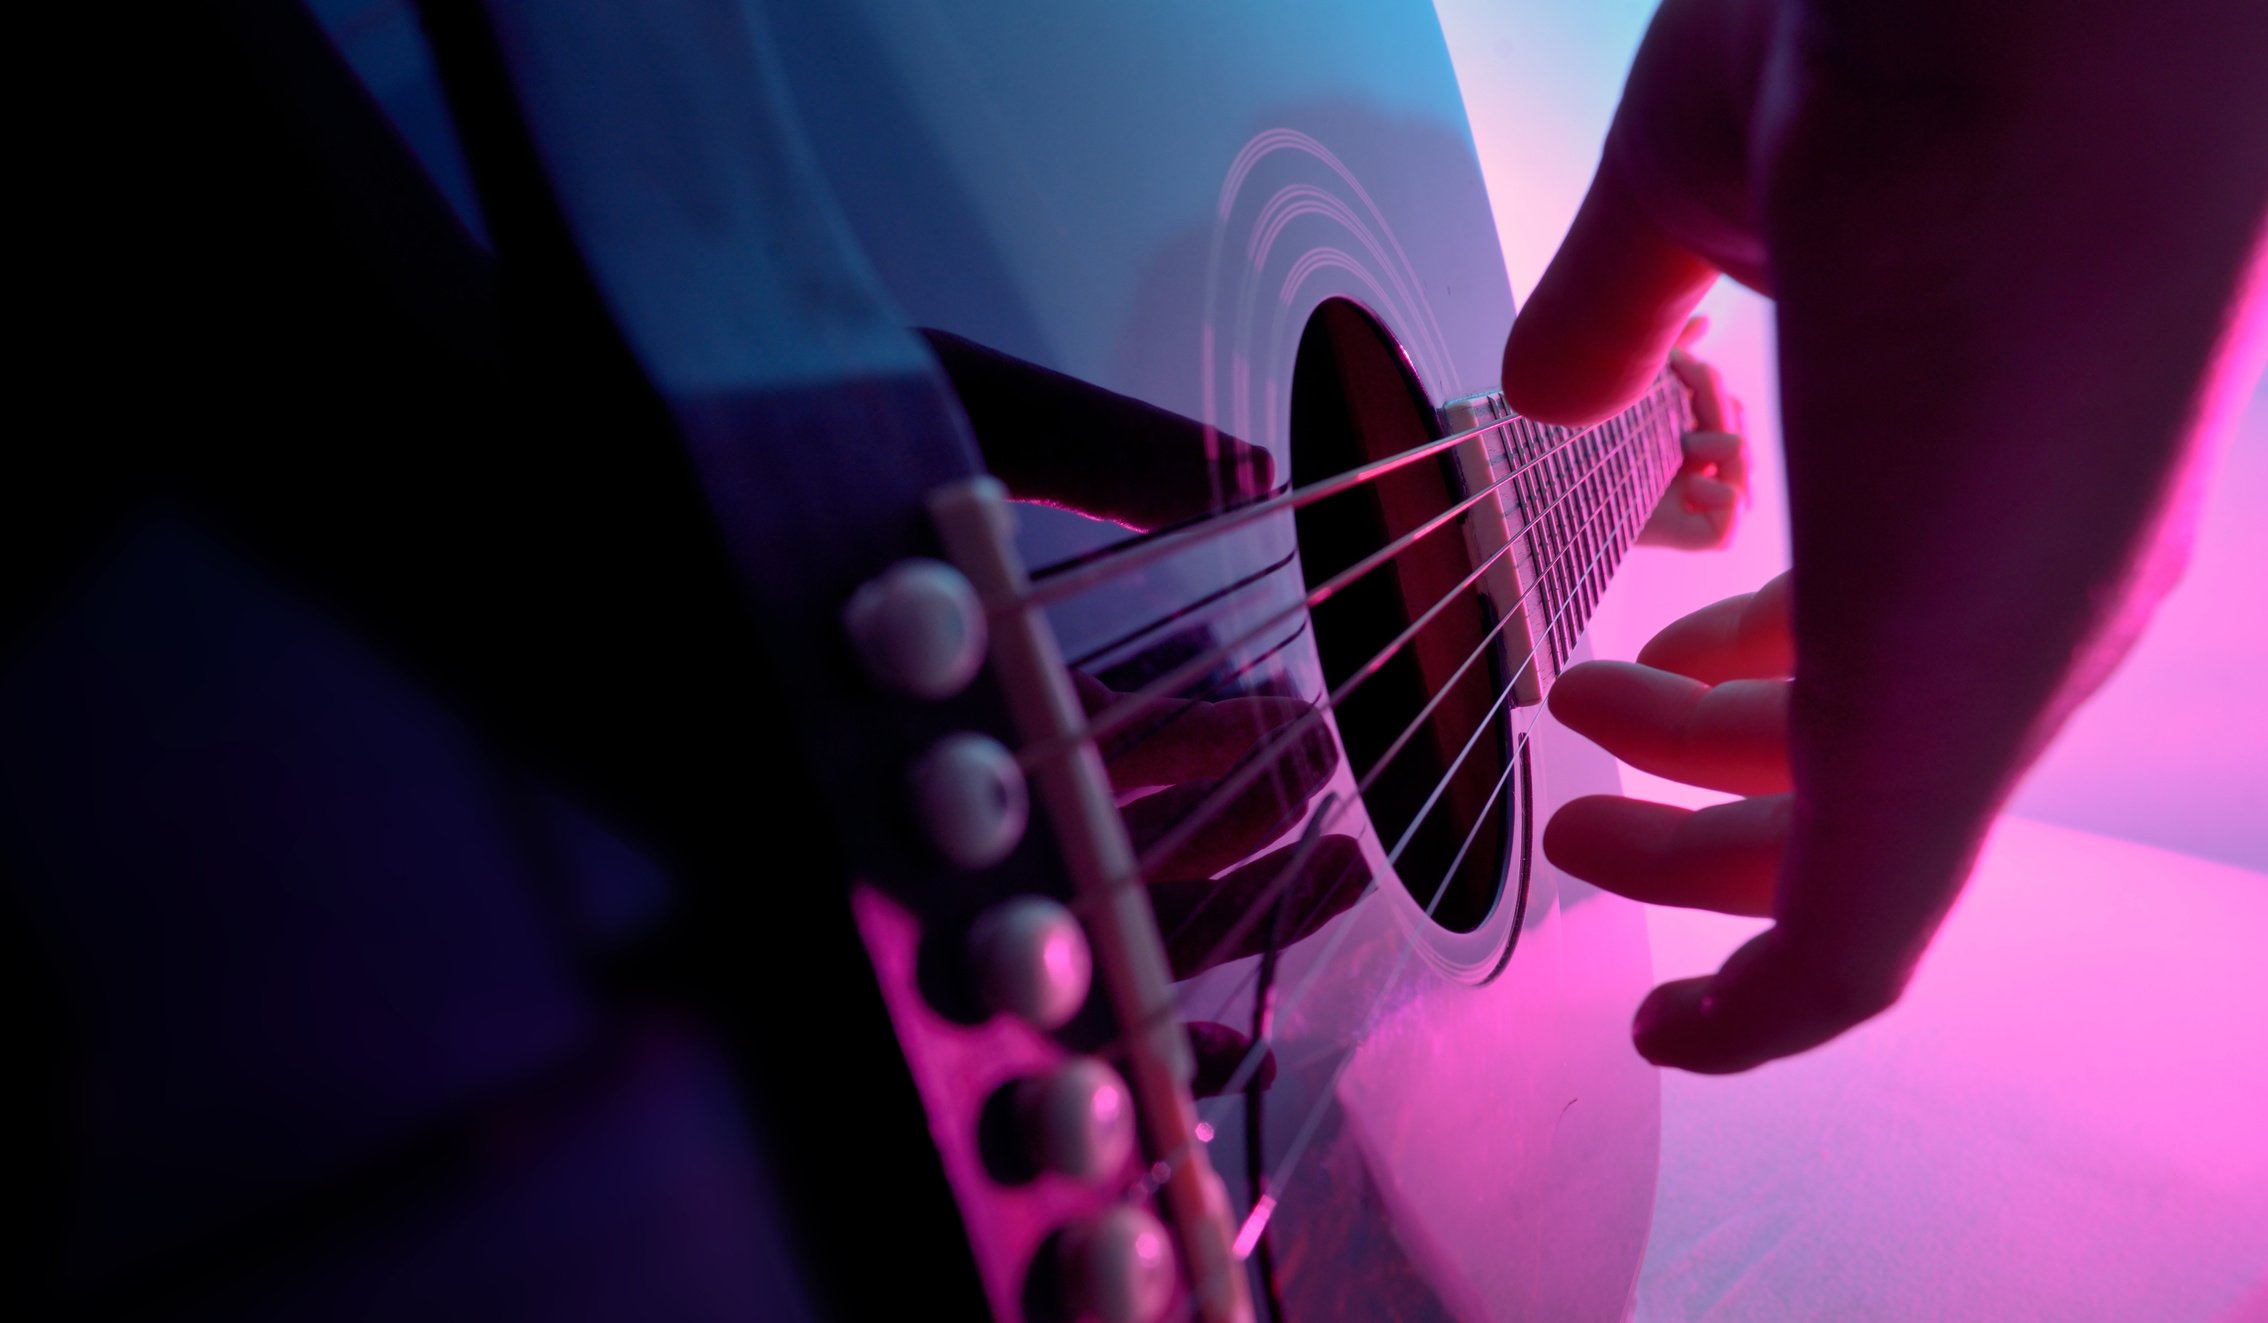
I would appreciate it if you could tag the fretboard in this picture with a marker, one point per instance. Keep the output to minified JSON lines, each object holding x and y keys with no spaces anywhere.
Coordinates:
{"x":1583,"y":495}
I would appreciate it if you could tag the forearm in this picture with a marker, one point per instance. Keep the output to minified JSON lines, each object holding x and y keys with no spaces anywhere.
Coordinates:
{"x":1973,"y":546}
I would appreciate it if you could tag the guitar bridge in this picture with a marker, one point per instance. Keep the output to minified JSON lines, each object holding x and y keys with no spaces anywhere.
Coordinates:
{"x":976,"y":524}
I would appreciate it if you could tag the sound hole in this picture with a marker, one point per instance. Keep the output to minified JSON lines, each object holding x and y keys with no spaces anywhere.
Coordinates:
{"x":1354,"y":400}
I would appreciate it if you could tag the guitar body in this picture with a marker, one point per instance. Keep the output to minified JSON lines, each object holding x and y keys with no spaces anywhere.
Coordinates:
{"x":560,"y":612}
{"x":1088,"y":189}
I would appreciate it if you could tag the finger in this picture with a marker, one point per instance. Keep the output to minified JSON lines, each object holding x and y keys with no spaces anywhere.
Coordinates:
{"x":1677,"y":523}
{"x":1744,"y":637}
{"x":1697,"y":511}
{"x":1724,"y":452}
{"x":1715,"y":505}
{"x":1172,"y":741}
{"x":1210,"y":922}
{"x":1059,"y":441}
{"x":1604,"y":316}
{"x":1770,"y":1000}
{"x":1731,"y":736}
{"x":1237,"y":821}
{"x":1711,"y":411}
{"x":1724,"y":858}
{"x":1704,"y":494}
{"x":1695,"y":327}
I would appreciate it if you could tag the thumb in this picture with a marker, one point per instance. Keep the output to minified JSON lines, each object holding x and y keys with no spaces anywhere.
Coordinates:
{"x":1772,"y":999}
{"x":1604,"y":317}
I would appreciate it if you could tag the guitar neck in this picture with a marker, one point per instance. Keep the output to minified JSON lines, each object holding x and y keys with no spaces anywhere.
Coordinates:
{"x":1579,"y":498}
{"x":1575,"y":499}
{"x":1591,"y":495}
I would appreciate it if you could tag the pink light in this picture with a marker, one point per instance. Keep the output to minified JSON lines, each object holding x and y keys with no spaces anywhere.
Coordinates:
{"x":1255,"y":1225}
{"x":2061,"y":1120}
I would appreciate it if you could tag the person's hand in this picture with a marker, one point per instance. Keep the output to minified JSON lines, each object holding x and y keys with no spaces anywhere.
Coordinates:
{"x":1704,"y":499}
{"x":2012,"y":247}
{"x":1706,"y":703}
{"x":1185,"y":756}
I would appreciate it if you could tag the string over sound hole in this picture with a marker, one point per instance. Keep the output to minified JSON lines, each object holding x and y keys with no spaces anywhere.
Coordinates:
{"x":1424,"y":732}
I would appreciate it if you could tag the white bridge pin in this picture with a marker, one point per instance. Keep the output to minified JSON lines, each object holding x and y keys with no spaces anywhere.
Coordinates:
{"x":1030,"y":959}
{"x":918,"y":628}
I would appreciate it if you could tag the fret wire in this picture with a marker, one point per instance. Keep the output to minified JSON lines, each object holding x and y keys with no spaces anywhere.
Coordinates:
{"x":1288,"y":871}
{"x":1570,"y":592}
{"x":1552,"y":543}
{"x":1640,"y":470}
{"x":1563,"y":576}
{"x":1531,"y":498}
{"x":1055,"y":582}
{"x":1547,"y":530}
{"x":1588,"y":593}
{"x":1234,"y":783}
{"x":1520,"y":442}
{"x":1610,"y":535}
{"x":1605,"y":535}
{"x":1118,"y":715}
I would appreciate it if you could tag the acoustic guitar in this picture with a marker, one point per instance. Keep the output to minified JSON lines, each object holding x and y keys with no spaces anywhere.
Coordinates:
{"x":1005,"y":507}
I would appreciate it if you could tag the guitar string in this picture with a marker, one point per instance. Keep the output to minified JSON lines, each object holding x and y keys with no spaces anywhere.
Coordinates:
{"x":1288,"y":872}
{"x":1076,"y":573}
{"x":1639,"y":421}
{"x":1318,"y":823}
{"x":1323,"y":958}
{"x":1517,"y":429}
{"x":1394,"y":855}
{"x":1326,"y":817}
{"x":1269,"y":741}
{"x":1251,"y":1235}
{"x":1434,"y":799}
{"x":1111,"y":719}
{"x":1100,"y":726}
{"x":1543,"y":585}
{"x":1183,"y":612}
{"x":1251,"y":766}
{"x":1251,"y":1239}
{"x":1067,"y":578}
{"x":1279,"y":1178}
{"x":1160,"y":1170}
